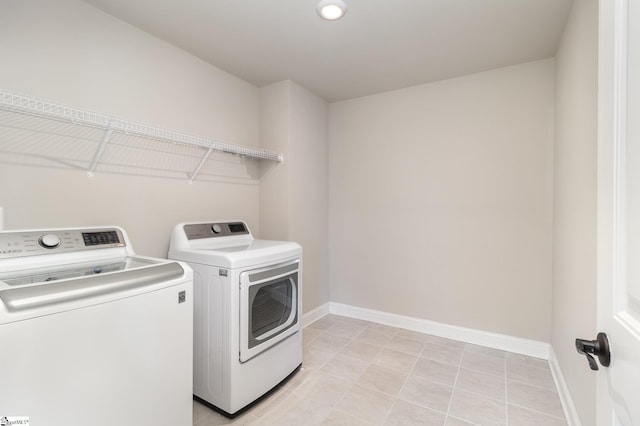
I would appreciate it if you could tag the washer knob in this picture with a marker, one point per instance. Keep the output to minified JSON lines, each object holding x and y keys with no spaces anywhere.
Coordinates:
{"x":49,"y":241}
{"x":216,"y":229}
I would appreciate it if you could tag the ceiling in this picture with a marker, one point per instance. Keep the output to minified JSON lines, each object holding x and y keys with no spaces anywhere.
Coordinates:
{"x":377,"y":46}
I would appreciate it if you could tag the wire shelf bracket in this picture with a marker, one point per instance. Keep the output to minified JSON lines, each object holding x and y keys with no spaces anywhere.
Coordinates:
{"x":199,"y":166}
{"x":96,"y":156}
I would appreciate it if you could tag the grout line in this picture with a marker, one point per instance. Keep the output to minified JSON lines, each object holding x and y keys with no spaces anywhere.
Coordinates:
{"x":319,"y":370}
{"x":483,"y":395}
{"x":386,"y":417}
{"x":506,"y":398}
{"x":369,"y":363}
{"x":484,"y":372}
{"x":464,"y":420}
{"x":539,"y":412}
{"x":455,"y":382}
{"x":554,"y":390}
{"x":403,"y":383}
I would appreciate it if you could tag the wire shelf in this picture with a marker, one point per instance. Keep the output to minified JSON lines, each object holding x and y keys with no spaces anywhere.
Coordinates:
{"x":111,"y":134}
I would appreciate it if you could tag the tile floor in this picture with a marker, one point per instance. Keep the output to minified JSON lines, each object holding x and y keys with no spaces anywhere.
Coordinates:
{"x":361,"y":373}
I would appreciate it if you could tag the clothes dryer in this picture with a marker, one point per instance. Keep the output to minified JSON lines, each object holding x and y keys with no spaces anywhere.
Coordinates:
{"x":247,"y":311}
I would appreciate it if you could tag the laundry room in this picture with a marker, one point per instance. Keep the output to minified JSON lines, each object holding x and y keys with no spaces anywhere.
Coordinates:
{"x":445,"y":207}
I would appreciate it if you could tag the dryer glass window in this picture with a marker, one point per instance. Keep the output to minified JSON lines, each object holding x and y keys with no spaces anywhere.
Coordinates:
{"x":271,"y":307}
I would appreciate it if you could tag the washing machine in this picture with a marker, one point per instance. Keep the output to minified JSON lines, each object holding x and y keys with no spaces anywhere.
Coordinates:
{"x":247,"y":311}
{"x":91,"y":333}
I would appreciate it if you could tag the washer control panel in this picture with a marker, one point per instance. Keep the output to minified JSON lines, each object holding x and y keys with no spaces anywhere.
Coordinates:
{"x":32,"y":243}
{"x":219,"y":229}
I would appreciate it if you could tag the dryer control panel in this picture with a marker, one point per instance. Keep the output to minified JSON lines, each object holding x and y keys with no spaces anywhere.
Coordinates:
{"x":42,"y":242}
{"x":218,"y":229}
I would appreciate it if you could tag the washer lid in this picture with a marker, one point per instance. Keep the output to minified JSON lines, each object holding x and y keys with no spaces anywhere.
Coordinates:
{"x":73,"y":270}
{"x":74,"y":292}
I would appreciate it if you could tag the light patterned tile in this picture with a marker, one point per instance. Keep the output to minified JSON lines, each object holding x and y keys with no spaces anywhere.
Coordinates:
{"x":373,"y":337}
{"x":293,"y":382}
{"x":447,"y":354}
{"x":478,"y":409}
{"x":220,"y":420}
{"x":297,"y":411}
{"x":273,"y":402}
{"x":395,"y":360}
{"x":324,"y":388}
{"x":355,"y":321}
{"x":200,"y":411}
{"x":528,"y":360}
{"x":308,"y":334}
{"x":484,"y":363}
{"x":405,"y":413}
{"x":436,"y":371}
{"x":384,"y":329}
{"x":452,"y":421}
{"x":362,"y":351}
{"x":426,"y":393}
{"x":481,"y":383}
{"x":477,"y":349}
{"x":347,"y":330}
{"x":329,"y":342}
{"x":345,"y":367}
{"x":405,"y":344}
{"x":366,"y":404}
{"x":382,"y":379}
{"x":324,"y":323}
{"x":314,"y":358}
{"x":242,"y":420}
{"x":446,"y":342}
{"x":339,"y":418}
{"x":535,"y":398}
{"x":522,"y":417}
{"x":530,"y":375}
{"x":414,"y":335}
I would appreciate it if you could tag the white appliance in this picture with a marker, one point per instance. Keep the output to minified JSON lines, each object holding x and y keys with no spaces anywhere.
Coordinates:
{"x":91,"y":334}
{"x":247,"y":311}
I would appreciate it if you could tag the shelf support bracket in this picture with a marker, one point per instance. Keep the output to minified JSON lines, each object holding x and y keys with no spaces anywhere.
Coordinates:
{"x":200,"y":164}
{"x":96,"y":156}
{"x":271,"y":167}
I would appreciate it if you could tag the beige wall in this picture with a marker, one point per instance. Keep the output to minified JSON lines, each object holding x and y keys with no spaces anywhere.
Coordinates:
{"x":275,"y":108}
{"x":294,"y":196}
{"x":441,"y":201}
{"x":309,"y":186}
{"x":69,"y":52}
{"x":574,"y":243}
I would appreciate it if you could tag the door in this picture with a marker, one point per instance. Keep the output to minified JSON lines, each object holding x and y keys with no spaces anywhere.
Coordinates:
{"x":619,"y":210}
{"x":269,"y":303}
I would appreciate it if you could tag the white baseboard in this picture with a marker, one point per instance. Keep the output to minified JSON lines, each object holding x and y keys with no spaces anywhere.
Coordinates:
{"x":519,"y":345}
{"x":570,"y":411}
{"x":315,"y":314}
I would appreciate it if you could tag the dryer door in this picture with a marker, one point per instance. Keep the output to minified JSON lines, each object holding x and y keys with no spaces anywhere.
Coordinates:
{"x":268,"y":307}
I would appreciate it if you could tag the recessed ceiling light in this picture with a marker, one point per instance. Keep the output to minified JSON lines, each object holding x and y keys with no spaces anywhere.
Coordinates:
{"x":331,"y":10}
